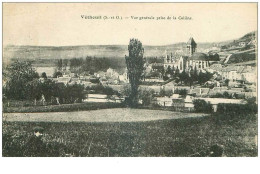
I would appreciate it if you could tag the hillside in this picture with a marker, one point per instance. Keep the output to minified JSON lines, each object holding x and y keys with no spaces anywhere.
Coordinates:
{"x":108,"y":51}
{"x":240,"y":54}
{"x":68,"y":52}
{"x":246,"y":38}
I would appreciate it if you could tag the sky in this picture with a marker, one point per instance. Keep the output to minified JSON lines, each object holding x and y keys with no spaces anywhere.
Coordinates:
{"x":61,"y":24}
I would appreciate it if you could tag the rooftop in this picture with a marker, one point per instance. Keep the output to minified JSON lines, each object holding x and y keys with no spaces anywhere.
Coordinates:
{"x":199,"y":56}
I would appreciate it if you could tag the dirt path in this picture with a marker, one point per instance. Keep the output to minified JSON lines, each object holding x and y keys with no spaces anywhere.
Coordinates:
{"x":103,"y":115}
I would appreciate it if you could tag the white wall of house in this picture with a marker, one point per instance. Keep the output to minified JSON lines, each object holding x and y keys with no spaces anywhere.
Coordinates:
{"x":249,"y":77}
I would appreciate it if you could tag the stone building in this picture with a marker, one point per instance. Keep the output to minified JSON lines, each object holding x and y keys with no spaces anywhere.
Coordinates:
{"x":188,"y":60}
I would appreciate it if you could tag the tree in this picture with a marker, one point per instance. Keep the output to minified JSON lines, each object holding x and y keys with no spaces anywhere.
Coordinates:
{"x":17,"y":77}
{"x":75,"y":93}
{"x":194,"y":74}
{"x":47,"y":89}
{"x":183,"y":77}
{"x":204,"y":77}
{"x":59,"y":64}
{"x":34,"y":90}
{"x":44,"y":75}
{"x":227,"y":82}
{"x":181,"y":91}
{"x":169,"y":72}
{"x":57,"y":74}
{"x":146,"y":95}
{"x":126,"y":90}
{"x":65,"y":63}
{"x":135,"y":68}
{"x":202,"y":106}
{"x":177,"y":72}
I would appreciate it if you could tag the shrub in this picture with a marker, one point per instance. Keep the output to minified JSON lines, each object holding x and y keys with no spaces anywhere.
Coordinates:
{"x":202,"y":106}
{"x":146,"y":95}
{"x":100,"y":89}
{"x":181,"y":91}
{"x":27,"y":145}
{"x":164,"y":92}
{"x":233,"y":112}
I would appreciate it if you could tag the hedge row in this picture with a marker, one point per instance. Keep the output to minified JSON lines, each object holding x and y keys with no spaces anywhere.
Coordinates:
{"x":227,"y":111}
{"x":236,"y":111}
{"x":237,"y":108}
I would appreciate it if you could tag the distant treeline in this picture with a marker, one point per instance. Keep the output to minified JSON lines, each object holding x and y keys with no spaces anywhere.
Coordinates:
{"x":154,"y":60}
{"x":91,"y":64}
{"x":94,"y":64}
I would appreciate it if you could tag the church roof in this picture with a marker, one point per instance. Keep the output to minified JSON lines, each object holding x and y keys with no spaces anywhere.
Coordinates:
{"x":199,"y":56}
{"x":191,"y":41}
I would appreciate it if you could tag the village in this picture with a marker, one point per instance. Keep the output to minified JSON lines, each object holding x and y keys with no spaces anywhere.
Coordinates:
{"x":225,"y":82}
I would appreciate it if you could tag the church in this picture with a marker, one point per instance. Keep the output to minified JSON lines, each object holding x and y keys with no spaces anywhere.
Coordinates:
{"x":187,"y":61}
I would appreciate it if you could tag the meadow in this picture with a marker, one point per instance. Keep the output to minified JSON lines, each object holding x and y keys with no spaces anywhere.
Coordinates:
{"x":28,"y":107}
{"x":165,"y":138}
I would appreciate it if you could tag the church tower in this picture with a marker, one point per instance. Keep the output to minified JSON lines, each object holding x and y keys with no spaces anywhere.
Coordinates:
{"x":191,"y":46}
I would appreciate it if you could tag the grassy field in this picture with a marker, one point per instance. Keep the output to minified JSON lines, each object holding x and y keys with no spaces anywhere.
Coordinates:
{"x":60,"y":108}
{"x":101,"y":115}
{"x":182,"y":137}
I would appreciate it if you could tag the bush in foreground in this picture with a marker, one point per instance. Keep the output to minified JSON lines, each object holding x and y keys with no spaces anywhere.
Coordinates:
{"x":202,"y":106}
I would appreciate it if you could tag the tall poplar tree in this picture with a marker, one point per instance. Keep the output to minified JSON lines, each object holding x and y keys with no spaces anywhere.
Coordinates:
{"x":135,"y":68}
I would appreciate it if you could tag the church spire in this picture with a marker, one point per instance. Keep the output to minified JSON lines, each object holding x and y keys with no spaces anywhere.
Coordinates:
{"x":191,"y":46}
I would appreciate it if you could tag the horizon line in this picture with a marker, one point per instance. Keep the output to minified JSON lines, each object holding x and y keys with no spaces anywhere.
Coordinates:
{"x":126,"y":44}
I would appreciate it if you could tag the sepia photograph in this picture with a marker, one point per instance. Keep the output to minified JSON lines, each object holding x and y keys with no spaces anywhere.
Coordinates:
{"x":129,"y":79}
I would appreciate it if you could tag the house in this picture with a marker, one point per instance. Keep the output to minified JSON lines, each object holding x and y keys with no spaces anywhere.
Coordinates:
{"x":64,"y":80}
{"x":239,"y":73}
{"x":168,"y":86}
{"x":116,"y":99}
{"x":100,"y":74}
{"x":178,"y":104}
{"x":249,"y":74}
{"x":75,"y":80}
{"x":154,"y":80}
{"x":215,"y":101}
{"x":96,"y":98}
{"x":164,"y":101}
{"x":188,"y":103}
{"x":111,"y":73}
{"x":87,"y":84}
{"x":231,"y":73}
{"x":102,"y":98}
{"x":242,"y":44}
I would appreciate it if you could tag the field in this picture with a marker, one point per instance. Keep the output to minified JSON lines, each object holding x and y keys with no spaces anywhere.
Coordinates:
{"x":101,"y":115}
{"x":27,"y":107}
{"x":169,"y":137}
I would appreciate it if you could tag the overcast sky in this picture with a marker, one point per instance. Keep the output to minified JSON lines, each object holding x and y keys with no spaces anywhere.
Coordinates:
{"x":60,"y":24}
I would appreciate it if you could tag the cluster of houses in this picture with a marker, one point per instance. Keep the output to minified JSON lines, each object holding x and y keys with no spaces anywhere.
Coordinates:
{"x":110,"y":77}
{"x":237,"y":79}
{"x":240,"y":73}
{"x":179,"y":102}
